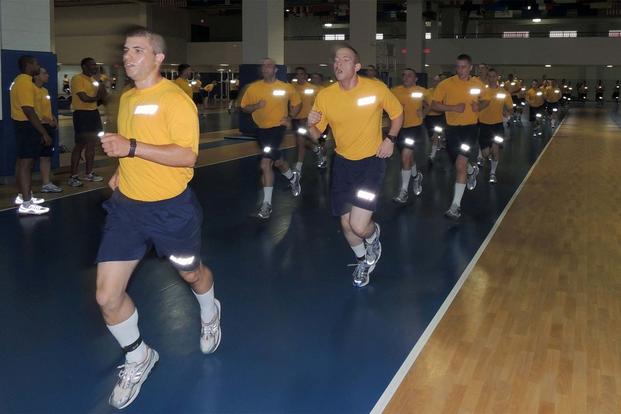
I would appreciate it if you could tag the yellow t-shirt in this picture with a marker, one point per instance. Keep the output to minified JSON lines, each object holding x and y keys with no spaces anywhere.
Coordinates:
{"x":453,"y":91}
{"x":428,"y":99}
{"x":553,"y":94}
{"x":307,"y":93}
{"x":499,"y":99}
{"x":184,"y":84}
{"x":209,"y":87}
{"x":514,"y":86}
{"x":533,"y":99}
{"x":411,"y":99}
{"x":86,"y":84}
{"x":23,"y":93}
{"x":276,"y":95}
{"x":159,"y":115}
{"x":355,"y":116}
{"x":43,"y":104}
{"x":196,"y":85}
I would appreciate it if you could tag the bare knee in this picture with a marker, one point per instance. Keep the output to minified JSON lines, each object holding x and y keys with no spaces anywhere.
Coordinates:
{"x":266,"y":164}
{"x":191,"y":276}
{"x":109,"y":299}
{"x":360,"y":229}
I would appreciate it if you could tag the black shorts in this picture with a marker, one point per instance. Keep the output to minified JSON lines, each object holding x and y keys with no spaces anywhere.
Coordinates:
{"x":172,"y":226}
{"x":432,"y":121}
{"x":233,"y":95}
{"x":48,"y":150}
{"x":270,"y":140}
{"x":409,"y":137}
{"x":86,"y":123}
{"x":298,"y":123}
{"x":615,"y":96}
{"x":28,"y":141}
{"x":518,"y":102}
{"x":356,"y":183}
{"x":550,"y":106}
{"x":533,"y":111}
{"x":487,"y":133}
{"x":459,"y":135}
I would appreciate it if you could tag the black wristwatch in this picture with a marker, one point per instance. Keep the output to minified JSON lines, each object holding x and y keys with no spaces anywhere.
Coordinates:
{"x":132,"y":148}
{"x":392,"y":138}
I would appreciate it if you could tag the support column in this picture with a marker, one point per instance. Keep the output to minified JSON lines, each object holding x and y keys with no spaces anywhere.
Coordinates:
{"x":362,"y":29}
{"x":415,"y":35}
{"x":263,"y":33}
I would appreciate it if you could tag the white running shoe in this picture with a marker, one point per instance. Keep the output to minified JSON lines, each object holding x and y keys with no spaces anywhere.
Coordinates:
{"x":19,"y":199}
{"x":131,"y":377}
{"x":417,"y":185}
{"x":211,"y":333}
{"x":32,"y":209}
{"x":472,"y":178}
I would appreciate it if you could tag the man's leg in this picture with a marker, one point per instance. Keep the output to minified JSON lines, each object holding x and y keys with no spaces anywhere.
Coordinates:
{"x":24,"y":178}
{"x":89,"y":153}
{"x":300,"y":141}
{"x":45,"y":165}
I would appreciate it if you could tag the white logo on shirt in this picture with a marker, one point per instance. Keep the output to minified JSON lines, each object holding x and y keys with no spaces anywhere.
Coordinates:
{"x":146,"y":109}
{"x":47,"y":97}
{"x":367,"y":100}
{"x":501,"y":96}
{"x":308,"y":91}
{"x":96,"y":84}
{"x":279,"y":92}
{"x":417,"y":94}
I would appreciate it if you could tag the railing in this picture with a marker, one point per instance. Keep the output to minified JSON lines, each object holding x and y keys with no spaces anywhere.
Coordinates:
{"x":499,"y":35}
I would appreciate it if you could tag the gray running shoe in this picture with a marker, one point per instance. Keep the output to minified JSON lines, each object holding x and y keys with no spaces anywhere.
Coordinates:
{"x":131,"y":377}
{"x":93,"y":177}
{"x":211,"y":333}
{"x":51,"y":188}
{"x":417,"y":185}
{"x":265,"y":211}
{"x":472,"y":178}
{"x":296,"y":188}
{"x":362,"y":273}
{"x":493,"y":179}
{"x":454,"y":212}
{"x":402,"y":198}
{"x":374,"y":250}
{"x":74,"y":181}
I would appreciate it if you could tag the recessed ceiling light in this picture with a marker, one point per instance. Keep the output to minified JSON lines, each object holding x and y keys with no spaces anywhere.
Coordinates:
{"x":323,"y":64}
{"x":548,"y":66}
{"x":609,"y":66}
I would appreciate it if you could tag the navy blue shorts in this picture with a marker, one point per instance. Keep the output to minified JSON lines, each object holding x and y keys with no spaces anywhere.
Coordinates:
{"x":172,"y":226}
{"x":487,"y":132}
{"x":356,"y":183}
{"x":415,"y":134}
{"x":48,"y":150}
{"x":271,"y":138}
{"x":533,"y":111}
{"x":86,"y":124}
{"x":27,"y":139}
{"x":459,"y":135}
{"x":550,"y":106}
{"x":432,"y":121}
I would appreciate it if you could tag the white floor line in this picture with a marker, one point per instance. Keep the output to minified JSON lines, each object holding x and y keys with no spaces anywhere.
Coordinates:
{"x":385,"y":398}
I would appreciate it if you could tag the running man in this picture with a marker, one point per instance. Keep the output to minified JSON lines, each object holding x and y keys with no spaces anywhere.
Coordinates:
{"x":535,"y":100}
{"x":353,"y":108}
{"x":496,"y":101}
{"x":184,"y":73}
{"x":459,"y":98}
{"x":272,"y":104}
{"x":553,"y":95}
{"x":435,"y":121}
{"x":307,"y":92}
{"x":157,"y":145}
{"x":412,"y":98}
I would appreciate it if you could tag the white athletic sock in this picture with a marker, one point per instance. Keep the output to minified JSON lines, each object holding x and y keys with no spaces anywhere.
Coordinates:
{"x":298,"y":165}
{"x":414,"y":171}
{"x":127,"y":333}
{"x":372,"y":237}
{"x":267,"y":194}
{"x":494,"y":165}
{"x":459,"y":193}
{"x":470,"y":169}
{"x":405,"y":179}
{"x":359,"y":251}
{"x":434,"y":149}
{"x":288,"y":174}
{"x":208,"y":306}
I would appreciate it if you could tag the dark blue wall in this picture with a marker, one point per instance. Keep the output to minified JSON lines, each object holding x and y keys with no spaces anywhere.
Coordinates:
{"x":9,"y":73}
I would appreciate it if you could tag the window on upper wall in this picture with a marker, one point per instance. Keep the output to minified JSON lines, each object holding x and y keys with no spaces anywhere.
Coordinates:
{"x":334,"y":36}
{"x":614,"y":33}
{"x":515,"y":35}
{"x":427,"y":35}
{"x":379,"y":36}
{"x":563,"y":33}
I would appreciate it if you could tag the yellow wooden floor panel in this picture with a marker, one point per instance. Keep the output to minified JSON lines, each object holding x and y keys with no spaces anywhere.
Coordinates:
{"x":536,"y":328}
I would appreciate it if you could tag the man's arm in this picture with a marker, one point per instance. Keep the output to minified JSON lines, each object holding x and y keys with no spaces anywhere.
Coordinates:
{"x":171,"y":155}
{"x":440,"y":107}
{"x":88,"y":99}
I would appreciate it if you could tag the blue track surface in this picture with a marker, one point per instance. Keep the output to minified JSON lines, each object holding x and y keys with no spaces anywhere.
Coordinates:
{"x":297,"y":337}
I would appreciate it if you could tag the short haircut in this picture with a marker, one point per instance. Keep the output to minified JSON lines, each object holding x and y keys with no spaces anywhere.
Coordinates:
{"x":300,"y":68}
{"x":182,"y":67}
{"x":318,"y":74}
{"x":24,"y":61}
{"x":86,"y":60}
{"x":348,"y":46}
{"x":491,"y":70}
{"x":465,"y":57}
{"x":410,"y":69}
{"x":157,"y":41}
